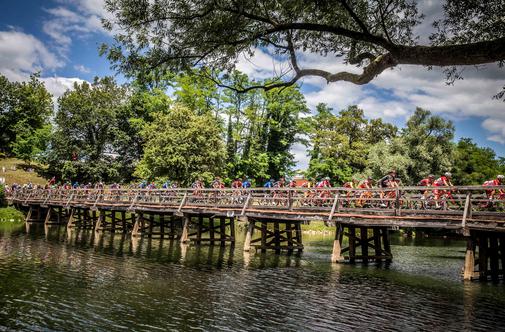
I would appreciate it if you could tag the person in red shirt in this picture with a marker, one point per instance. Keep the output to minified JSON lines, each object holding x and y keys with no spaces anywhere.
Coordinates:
{"x":236,"y":183}
{"x":500,"y":180}
{"x":364,"y":195}
{"x":426,"y":182}
{"x":443,"y":181}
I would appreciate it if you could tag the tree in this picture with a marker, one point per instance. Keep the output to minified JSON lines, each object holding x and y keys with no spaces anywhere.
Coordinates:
{"x":376,"y":35}
{"x":83,"y":145}
{"x":473,"y":164}
{"x":428,"y":143}
{"x":31,"y":144}
{"x":385,"y":156}
{"x":182,"y":146}
{"x":340,"y":143}
{"x":25,"y":107}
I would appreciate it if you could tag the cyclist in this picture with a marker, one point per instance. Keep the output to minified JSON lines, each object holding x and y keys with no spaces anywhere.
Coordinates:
{"x":500,"y":180}
{"x":366,"y":184}
{"x":269,"y":183}
{"x":443,"y":181}
{"x":236,"y":183}
{"x":217,"y":183}
{"x":387,"y":181}
{"x":426,"y":182}
{"x":246,"y":183}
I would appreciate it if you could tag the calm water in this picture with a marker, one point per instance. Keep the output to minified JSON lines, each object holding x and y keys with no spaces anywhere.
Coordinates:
{"x":60,"y":281}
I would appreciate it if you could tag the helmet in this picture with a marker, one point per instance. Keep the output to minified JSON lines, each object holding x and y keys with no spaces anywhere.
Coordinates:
{"x":431,"y":176}
{"x":327,"y":178}
{"x":369,"y":178}
{"x":392,"y":171}
{"x":448,"y":174}
{"x":500,"y":177}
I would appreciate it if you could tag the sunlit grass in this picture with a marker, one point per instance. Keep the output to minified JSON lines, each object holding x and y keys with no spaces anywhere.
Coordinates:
{"x":21,"y":174}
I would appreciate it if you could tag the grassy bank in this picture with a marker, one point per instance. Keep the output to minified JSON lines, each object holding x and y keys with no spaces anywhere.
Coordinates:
{"x":11,"y":215}
{"x":16,"y":171}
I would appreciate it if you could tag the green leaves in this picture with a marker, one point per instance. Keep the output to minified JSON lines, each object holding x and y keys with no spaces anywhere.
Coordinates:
{"x":182,"y":146}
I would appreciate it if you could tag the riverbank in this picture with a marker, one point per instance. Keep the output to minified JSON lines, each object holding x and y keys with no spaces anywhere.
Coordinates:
{"x":11,"y":215}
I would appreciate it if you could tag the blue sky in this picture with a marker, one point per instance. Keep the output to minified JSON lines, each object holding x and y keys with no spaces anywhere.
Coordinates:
{"x":61,"y":39}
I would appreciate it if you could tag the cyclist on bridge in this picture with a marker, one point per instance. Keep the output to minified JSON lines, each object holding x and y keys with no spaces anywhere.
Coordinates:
{"x":443,"y":181}
{"x":499,"y":181}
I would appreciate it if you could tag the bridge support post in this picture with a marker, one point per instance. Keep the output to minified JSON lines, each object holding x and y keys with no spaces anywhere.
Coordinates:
{"x":249,"y":234}
{"x":360,"y":243}
{"x":286,"y":235}
{"x":212,"y":229}
{"x":336,"y":256}
{"x":485,"y":256}
{"x":185,"y":228}
{"x":469,"y":269}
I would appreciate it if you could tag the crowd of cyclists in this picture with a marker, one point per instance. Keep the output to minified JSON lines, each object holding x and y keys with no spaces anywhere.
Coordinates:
{"x":381,"y":193}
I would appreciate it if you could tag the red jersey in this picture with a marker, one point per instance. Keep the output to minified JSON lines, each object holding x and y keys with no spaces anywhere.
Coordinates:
{"x":236,"y":184}
{"x":494,"y":182}
{"x":323,"y":184}
{"x":348,"y":185}
{"x":440,"y":182}
{"x":365,"y":185}
{"x":424,"y":183}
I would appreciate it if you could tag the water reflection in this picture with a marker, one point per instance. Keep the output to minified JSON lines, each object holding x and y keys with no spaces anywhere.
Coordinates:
{"x":50,"y":277}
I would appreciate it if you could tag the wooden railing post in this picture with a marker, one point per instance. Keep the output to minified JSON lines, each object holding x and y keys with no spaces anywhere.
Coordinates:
{"x":334,"y":206}
{"x":246,"y":204}
{"x":397,"y":202}
{"x":467,"y":212}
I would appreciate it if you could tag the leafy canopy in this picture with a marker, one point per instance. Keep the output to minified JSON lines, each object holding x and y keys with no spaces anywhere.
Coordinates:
{"x":174,"y":35}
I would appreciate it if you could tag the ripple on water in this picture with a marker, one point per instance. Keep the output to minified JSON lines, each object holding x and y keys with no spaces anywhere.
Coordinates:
{"x":83,"y":282}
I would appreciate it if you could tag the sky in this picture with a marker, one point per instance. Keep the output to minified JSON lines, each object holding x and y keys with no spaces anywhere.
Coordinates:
{"x":60,"y":38}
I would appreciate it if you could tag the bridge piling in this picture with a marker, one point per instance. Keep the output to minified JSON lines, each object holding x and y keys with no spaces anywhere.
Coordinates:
{"x":277,"y":238}
{"x":361,"y":241}
{"x":485,"y":256}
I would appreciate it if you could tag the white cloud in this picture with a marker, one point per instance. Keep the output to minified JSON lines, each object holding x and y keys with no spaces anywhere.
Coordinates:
{"x":22,"y":54}
{"x":74,"y":19}
{"x":396,"y":93}
{"x":82,"y":69}
{"x":261,"y":65}
{"x":58,"y":85}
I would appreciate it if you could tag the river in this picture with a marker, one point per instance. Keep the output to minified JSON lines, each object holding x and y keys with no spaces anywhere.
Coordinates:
{"x":77,"y":281}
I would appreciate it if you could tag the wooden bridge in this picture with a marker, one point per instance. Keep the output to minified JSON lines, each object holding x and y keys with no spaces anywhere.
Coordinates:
{"x":363,"y":217}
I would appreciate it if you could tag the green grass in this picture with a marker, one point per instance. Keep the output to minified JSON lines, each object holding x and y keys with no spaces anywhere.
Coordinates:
{"x":10,"y":215}
{"x":21,"y":174}
{"x":317,"y":226}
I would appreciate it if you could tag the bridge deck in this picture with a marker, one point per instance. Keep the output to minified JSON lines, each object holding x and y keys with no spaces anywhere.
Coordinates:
{"x":466,"y":207}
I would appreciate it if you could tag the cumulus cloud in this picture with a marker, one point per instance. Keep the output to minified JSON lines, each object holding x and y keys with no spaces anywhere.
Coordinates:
{"x":74,"y":19}
{"x":22,"y":54}
{"x":396,"y":93}
{"x":82,"y":69}
{"x":58,"y":85}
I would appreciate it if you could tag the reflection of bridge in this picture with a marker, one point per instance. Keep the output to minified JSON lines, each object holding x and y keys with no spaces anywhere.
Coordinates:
{"x":363,"y":216}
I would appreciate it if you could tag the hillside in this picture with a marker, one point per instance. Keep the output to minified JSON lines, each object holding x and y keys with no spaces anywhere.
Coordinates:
{"x":16,"y":171}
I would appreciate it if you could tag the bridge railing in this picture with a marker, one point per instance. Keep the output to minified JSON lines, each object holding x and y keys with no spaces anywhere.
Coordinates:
{"x":393,"y":201}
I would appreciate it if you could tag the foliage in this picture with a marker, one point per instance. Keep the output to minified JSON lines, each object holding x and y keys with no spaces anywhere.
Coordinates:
{"x":473,"y":164}
{"x":25,"y":109}
{"x":182,"y":146}
{"x":428,"y":143}
{"x":385,"y":156}
{"x":175,"y":35}
{"x":8,"y":214}
{"x":31,"y":144}
{"x":340,"y":142}
{"x":83,"y":145}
